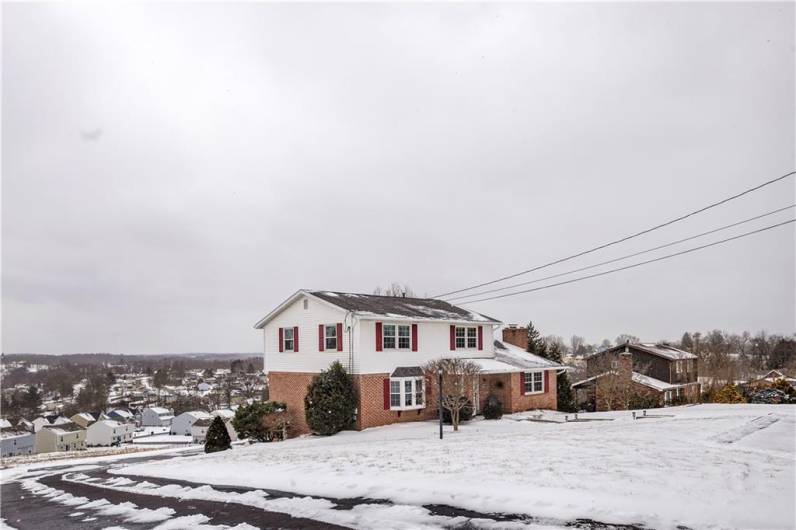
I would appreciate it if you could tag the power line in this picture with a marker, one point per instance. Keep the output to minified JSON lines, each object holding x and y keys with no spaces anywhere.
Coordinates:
{"x":639,"y":264}
{"x":581,"y":269}
{"x":646,"y":231}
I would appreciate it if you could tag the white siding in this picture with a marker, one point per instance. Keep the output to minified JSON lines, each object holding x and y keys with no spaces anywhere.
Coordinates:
{"x":433,"y":341}
{"x":308,"y":358}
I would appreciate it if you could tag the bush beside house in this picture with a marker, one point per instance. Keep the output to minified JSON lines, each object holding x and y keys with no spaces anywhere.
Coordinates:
{"x":330,"y":401}
{"x":217,"y":436}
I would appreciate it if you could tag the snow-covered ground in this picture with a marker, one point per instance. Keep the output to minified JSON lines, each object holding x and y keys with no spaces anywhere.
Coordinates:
{"x":708,"y":466}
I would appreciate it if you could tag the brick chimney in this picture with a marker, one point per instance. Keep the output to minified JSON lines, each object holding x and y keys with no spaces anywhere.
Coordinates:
{"x":516,"y":336}
{"x":626,"y":359}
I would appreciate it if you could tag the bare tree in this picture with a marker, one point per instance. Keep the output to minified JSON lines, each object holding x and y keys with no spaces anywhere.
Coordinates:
{"x":459,"y":377}
{"x":624,"y":337}
{"x":395,"y":289}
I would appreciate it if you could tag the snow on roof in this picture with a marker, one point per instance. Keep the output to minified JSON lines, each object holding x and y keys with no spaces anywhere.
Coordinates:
{"x":11,"y":432}
{"x":4,"y":423}
{"x":641,"y":379}
{"x":85,"y":415}
{"x":393,"y":307}
{"x":160,"y":410}
{"x":224,"y":413}
{"x":493,"y":366}
{"x":651,"y":382}
{"x":63,"y":428}
{"x":198,"y":414}
{"x":110,"y":423}
{"x":60,"y":420}
{"x":516,"y":356}
{"x":122,"y":413}
{"x":664,"y":350}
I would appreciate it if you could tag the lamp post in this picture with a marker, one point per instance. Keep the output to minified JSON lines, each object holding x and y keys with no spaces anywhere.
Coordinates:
{"x":439,"y":391}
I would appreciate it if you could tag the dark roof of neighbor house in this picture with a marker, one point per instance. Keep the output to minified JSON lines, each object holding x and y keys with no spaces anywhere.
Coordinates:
{"x":661,"y":350}
{"x":203,"y":423}
{"x":404,"y":307}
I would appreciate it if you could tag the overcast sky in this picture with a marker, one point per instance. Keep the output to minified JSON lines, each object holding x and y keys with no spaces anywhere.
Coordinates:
{"x":173,"y":172}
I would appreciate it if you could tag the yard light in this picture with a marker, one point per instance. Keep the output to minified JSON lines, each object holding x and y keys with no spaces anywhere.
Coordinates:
{"x":439,"y":384}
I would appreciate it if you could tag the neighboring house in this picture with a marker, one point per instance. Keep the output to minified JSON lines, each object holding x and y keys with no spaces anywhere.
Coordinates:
{"x":199,"y":430}
{"x":64,"y":437}
{"x":84,"y":419}
{"x":384,"y":341}
{"x":182,"y":424}
{"x":156,"y":417}
{"x":40,"y":422}
{"x":109,"y":432}
{"x":121,"y":415}
{"x":204,"y":387}
{"x":16,"y":441}
{"x":25,"y":425}
{"x":638,"y":373}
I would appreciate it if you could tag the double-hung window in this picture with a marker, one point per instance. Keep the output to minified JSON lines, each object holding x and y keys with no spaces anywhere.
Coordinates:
{"x":288,"y":339}
{"x":407,"y":393}
{"x":330,"y":337}
{"x":679,"y":366}
{"x":396,"y":337}
{"x":466,"y":337}
{"x":534,"y":382}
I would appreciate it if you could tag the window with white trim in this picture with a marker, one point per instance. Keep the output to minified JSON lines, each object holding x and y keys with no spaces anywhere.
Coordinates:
{"x":679,"y":366}
{"x":330,"y":336}
{"x":287,"y":339}
{"x":396,"y":337}
{"x":466,"y":337}
{"x":407,"y":393}
{"x":534,"y":382}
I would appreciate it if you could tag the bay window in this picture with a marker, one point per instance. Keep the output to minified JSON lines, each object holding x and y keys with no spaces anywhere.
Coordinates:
{"x":407,"y":393}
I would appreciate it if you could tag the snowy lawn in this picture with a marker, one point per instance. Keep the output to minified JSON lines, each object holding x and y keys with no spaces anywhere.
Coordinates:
{"x":709,"y":466}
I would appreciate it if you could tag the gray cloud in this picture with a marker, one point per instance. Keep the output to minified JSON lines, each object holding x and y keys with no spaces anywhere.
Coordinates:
{"x":250,"y":150}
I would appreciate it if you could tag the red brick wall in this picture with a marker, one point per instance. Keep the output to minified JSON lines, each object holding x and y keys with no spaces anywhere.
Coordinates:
{"x":516,"y":336}
{"x":291,"y":387}
{"x":547,"y":400}
{"x":371,"y":404}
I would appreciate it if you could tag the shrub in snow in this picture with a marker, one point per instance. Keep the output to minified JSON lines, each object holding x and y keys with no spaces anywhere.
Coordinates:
{"x":330,"y":401}
{"x":729,"y":394}
{"x":771,"y":396}
{"x":262,"y":421}
{"x":217,"y":436}
{"x":639,"y":400}
{"x":493,"y":410}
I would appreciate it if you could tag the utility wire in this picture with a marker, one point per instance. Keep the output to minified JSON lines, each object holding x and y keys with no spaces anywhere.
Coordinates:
{"x":721,"y":228}
{"x":646,"y":231}
{"x":603,"y":273}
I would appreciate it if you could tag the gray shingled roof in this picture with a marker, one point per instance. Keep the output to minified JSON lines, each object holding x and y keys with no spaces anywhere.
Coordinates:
{"x":393,"y":306}
{"x":661,"y":350}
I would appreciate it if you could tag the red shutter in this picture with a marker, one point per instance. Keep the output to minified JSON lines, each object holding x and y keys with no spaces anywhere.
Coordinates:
{"x":339,"y":336}
{"x":378,"y":336}
{"x":522,"y":383}
{"x":386,"y":394}
{"x":295,"y":338}
{"x":414,"y":337}
{"x":480,"y":337}
{"x":320,"y":337}
{"x":281,"y":340}
{"x":453,"y":337}
{"x":544,"y":379}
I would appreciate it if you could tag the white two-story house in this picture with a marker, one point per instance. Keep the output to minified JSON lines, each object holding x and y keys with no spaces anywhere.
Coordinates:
{"x":384,"y":341}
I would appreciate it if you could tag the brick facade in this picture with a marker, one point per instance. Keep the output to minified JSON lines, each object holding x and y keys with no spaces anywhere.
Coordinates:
{"x":516,"y":336}
{"x":291,"y":387}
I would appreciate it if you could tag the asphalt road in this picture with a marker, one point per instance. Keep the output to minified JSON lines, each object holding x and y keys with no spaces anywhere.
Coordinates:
{"x":23,"y":510}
